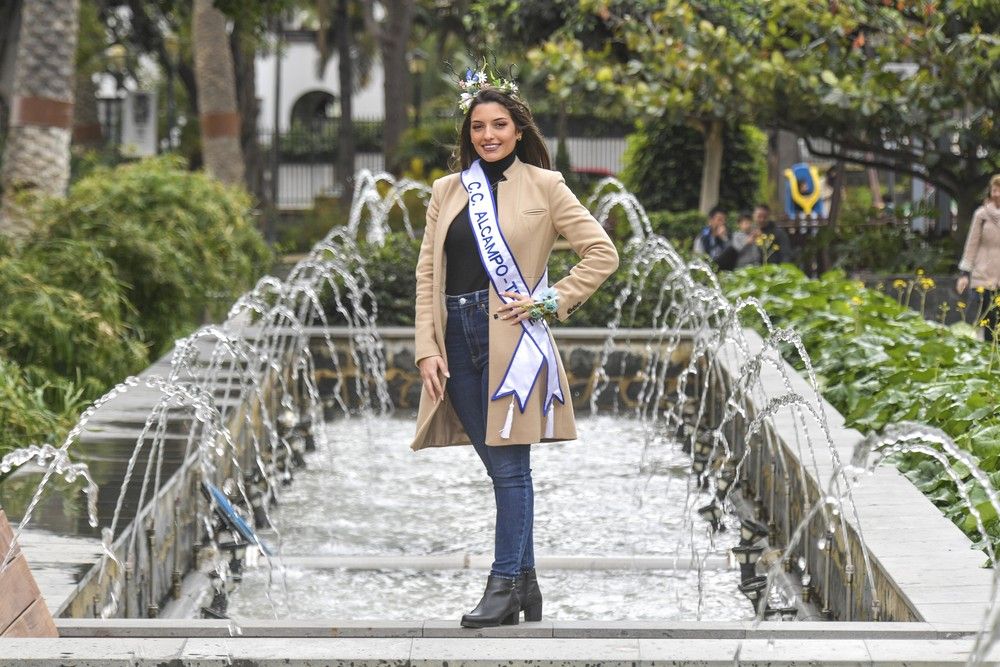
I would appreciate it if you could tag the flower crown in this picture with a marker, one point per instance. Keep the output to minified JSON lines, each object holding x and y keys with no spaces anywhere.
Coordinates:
{"x":475,"y":82}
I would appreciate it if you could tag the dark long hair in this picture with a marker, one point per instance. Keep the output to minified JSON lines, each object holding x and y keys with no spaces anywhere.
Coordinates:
{"x":530,"y":149}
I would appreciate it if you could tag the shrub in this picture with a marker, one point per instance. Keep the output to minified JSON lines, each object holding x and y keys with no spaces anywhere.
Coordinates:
{"x":35,"y":407}
{"x":65,"y":315}
{"x":679,"y":228}
{"x":183,"y":244}
{"x":391,"y":269}
{"x":867,"y":239}
{"x":663,"y":164}
{"x":428,"y":148}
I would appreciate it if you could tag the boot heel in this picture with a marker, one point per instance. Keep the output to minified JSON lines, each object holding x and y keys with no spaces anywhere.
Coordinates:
{"x":533,"y":613}
{"x":511,"y":619}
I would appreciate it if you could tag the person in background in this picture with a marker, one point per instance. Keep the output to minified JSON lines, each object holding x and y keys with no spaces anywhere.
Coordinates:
{"x":779,"y":250}
{"x":745,"y":242}
{"x":980,"y":264}
{"x":713,"y":240}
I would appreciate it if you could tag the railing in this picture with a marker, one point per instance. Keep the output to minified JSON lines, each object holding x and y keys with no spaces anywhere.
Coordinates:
{"x":306,"y":159}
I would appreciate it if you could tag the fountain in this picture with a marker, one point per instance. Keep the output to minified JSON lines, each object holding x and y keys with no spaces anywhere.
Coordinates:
{"x":757,"y":462}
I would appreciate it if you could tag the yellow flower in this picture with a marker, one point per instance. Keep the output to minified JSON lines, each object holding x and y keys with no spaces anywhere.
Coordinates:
{"x":920,"y":272}
{"x":980,"y":290}
{"x":926,"y":283}
{"x":996,"y":301}
{"x":760,"y":241}
{"x":856,"y":300}
{"x":776,"y":247}
{"x":960,"y":305}
{"x":984,"y":322}
{"x":899,"y":283}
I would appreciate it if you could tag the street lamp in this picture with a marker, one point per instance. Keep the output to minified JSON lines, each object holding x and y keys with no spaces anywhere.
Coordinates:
{"x":418,"y":65}
{"x":171,"y":47}
{"x":747,"y":556}
{"x":712,"y":513}
{"x":116,"y":56}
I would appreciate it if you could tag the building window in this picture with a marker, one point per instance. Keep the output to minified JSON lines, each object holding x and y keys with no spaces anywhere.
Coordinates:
{"x":316,"y":107}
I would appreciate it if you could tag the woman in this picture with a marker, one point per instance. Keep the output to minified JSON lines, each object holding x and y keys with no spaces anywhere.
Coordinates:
{"x":980,"y":265}
{"x":491,"y":375}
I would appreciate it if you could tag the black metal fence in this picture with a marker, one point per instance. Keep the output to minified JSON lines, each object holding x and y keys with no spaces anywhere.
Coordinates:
{"x":304,"y":157}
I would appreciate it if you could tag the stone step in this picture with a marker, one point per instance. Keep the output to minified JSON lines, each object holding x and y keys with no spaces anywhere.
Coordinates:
{"x":415,"y":652}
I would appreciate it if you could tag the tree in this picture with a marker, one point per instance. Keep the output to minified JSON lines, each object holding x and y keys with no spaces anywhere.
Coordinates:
{"x":36,"y":153}
{"x":659,"y":60}
{"x":91,"y":41}
{"x":218,"y":114}
{"x":513,"y":28}
{"x":907,"y":85}
{"x":393,"y":36}
{"x":341,"y":27}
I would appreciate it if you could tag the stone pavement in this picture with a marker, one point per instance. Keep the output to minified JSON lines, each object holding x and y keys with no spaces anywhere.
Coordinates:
{"x":360,"y":643}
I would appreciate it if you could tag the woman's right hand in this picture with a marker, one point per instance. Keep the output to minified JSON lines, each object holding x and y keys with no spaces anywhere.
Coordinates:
{"x":962,"y":284}
{"x":431,"y":371}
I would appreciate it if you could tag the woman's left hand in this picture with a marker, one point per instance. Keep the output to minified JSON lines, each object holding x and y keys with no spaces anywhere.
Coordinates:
{"x":517,"y":310}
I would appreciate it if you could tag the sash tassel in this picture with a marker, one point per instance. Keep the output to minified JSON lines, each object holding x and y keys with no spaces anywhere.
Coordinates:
{"x":509,"y":422}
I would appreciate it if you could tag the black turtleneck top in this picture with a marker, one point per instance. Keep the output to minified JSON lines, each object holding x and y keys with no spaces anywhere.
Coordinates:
{"x":464,"y":269}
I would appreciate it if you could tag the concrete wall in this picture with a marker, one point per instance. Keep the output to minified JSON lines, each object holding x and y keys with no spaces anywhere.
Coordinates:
{"x":924,"y":567}
{"x":581,"y":351}
{"x":160,"y":545}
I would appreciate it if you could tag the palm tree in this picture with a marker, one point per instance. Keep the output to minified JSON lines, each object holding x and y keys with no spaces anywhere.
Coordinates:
{"x":341,"y":27}
{"x":393,"y":35}
{"x":216,"y":81}
{"x":36,"y":153}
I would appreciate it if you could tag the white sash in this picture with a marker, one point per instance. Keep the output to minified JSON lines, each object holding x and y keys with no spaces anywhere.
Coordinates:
{"x":534,"y":348}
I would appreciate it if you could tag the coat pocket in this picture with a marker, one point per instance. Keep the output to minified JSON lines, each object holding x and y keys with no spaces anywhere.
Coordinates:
{"x":535,"y":211}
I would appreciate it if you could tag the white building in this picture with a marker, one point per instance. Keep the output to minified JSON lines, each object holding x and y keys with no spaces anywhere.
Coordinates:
{"x":305,"y":95}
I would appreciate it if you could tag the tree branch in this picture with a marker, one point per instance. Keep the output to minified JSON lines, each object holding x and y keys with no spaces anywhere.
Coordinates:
{"x":855,"y":155}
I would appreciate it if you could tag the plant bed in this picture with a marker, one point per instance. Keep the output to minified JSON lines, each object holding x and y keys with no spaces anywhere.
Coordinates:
{"x":880,"y":363}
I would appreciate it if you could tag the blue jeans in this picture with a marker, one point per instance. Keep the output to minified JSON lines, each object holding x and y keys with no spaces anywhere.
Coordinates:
{"x":467,"y":341}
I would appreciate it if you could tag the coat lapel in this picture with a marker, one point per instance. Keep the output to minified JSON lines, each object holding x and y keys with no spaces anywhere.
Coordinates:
{"x":507,"y":196}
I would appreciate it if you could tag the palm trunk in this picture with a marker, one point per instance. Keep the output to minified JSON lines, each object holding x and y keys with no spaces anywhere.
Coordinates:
{"x":217,"y":110}
{"x":395,"y":35}
{"x":345,"y":130}
{"x":36,"y":153}
{"x":711,"y":173}
{"x":244,"y":65}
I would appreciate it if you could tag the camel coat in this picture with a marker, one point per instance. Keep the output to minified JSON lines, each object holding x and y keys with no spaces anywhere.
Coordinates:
{"x":535,"y":207}
{"x":981,"y":257}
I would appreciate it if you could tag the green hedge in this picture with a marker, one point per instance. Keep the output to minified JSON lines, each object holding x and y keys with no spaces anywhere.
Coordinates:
{"x":183,"y":244}
{"x":880,"y":363}
{"x":663,"y":164}
{"x":65,"y":315}
{"x":132,"y":258}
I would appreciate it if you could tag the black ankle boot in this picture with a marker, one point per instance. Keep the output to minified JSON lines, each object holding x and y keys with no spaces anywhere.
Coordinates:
{"x":499,"y":605}
{"x":529,"y":595}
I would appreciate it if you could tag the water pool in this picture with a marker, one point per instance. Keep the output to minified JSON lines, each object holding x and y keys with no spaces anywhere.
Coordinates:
{"x":614,"y":492}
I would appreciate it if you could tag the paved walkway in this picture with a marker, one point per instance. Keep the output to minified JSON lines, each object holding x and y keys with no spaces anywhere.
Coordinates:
{"x":360,"y":643}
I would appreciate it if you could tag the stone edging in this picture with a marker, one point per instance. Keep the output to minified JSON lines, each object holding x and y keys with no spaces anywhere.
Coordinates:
{"x":930,"y":563}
